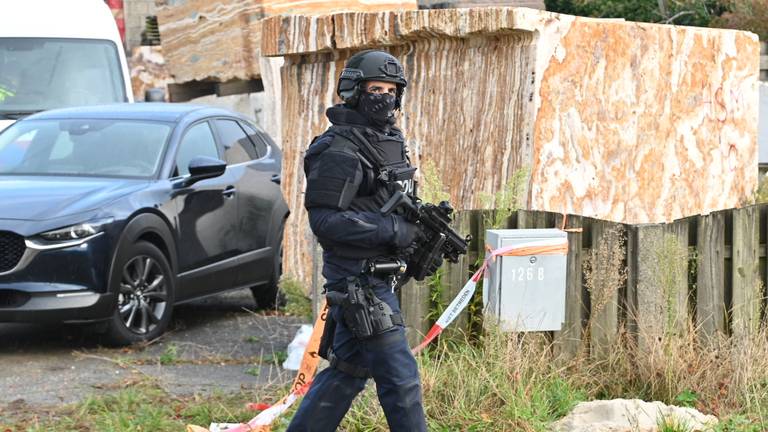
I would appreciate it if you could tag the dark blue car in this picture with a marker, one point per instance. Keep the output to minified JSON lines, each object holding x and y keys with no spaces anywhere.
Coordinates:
{"x":117,"y":213}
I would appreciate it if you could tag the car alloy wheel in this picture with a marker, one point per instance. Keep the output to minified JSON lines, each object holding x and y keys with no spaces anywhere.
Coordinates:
{"x":143,"y":295}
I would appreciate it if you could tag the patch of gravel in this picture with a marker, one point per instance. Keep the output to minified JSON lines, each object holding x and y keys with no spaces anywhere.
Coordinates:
{"x":217,"y":344}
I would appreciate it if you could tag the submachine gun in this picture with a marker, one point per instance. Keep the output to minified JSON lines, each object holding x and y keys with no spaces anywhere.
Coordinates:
{"x":434,"y":220}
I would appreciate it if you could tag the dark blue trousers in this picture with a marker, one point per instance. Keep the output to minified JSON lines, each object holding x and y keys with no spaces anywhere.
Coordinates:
{"x":393,"y":367}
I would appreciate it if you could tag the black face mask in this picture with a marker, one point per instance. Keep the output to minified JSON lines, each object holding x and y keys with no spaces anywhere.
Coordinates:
{"x":379,"y":109}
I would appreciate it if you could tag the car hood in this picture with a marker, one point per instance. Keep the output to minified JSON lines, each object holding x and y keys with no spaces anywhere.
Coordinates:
{"x":40,"y":198}
{"x":5,"y":123}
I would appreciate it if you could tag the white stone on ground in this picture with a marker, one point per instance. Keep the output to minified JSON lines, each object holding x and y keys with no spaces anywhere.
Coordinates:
{"x":622,"y":415}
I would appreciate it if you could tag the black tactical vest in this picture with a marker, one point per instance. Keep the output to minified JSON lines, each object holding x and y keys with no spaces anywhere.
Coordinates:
{"x":386,"y":169}
{"x":385,"y":163}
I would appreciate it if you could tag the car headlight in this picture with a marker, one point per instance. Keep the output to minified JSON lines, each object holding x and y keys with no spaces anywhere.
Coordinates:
{"x":77,"y":232}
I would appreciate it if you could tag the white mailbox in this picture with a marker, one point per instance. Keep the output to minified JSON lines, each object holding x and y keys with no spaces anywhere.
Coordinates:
{"x":526,"y":293}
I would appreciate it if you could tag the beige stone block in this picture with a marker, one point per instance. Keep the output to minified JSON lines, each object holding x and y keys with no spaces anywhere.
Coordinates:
{"x":646,"y":123}
{"x":211,"y":40}
{"x":624,"y":121}
{"x":293,"y":7}
{"x":221,"y":40}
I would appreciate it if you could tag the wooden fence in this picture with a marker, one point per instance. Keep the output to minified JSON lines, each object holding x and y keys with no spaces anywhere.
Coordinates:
{"x":763,"y":61}
{"x":651,"y":279}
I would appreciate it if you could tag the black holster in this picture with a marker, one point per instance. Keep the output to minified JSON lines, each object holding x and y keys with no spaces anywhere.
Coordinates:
{"x":364,"y":314}
{"x":326,"y":341}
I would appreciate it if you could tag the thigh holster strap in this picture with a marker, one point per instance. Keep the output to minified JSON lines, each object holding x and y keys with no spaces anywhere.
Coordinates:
{"x":347,"y":367}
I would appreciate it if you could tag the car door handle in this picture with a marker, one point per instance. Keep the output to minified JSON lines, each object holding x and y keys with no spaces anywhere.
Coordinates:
{"x":229,"y":192}
{"x":276,"y":178}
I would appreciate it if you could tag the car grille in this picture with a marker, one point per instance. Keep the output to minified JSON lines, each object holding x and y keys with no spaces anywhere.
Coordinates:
{"x":11,"y":249}
{"x":13,"y":298}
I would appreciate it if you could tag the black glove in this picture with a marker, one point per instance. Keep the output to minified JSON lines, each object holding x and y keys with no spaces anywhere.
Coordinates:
{"x":415,"y":264}
{"x":406,"y":233}
{"x":434,"y":266}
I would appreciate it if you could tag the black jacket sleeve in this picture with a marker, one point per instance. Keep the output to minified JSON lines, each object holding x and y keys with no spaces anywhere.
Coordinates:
{"x":362,"y":229}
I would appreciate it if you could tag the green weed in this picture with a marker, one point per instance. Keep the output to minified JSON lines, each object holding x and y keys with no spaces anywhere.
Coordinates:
{"x":297,"y":303}
{"x":507,"y":200}
{"x":432,"y":189}
{"x":170,"y":355}
{"x":687,"y":398}
{"x":673,"y":424}
{"x":276,"y":357}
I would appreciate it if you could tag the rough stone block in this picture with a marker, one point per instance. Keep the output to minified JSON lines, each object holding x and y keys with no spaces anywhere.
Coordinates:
{"x":221,"y":40}
{"x":211,"y":40}
{"x":630,"y":122}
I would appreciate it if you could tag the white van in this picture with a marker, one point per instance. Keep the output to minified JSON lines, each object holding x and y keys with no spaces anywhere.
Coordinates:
{"x":59,"y":53}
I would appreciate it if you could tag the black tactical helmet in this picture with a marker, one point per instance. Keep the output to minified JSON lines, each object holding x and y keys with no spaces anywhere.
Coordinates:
{"x":370,"y":65}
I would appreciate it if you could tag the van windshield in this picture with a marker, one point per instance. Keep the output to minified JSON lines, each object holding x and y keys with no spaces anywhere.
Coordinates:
{"x":39,"y":74}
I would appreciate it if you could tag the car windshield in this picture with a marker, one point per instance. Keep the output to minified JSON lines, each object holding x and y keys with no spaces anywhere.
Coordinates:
{"x":83,"y":147}
{"x":40,"y":74}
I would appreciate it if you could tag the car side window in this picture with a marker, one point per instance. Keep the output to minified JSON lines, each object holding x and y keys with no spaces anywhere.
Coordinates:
{"x":238,"y":148}
{"x":197,"y":141}
{"x":256,"y":138}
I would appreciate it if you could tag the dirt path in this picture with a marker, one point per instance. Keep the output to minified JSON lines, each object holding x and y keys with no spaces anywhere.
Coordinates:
{"x":214,"y":345}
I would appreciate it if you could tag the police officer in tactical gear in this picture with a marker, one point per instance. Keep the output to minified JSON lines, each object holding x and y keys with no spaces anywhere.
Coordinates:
{"x":352,"y":170}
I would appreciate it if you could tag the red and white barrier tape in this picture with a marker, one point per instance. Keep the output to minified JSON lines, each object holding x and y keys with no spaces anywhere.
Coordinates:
{"x":262,"y":422}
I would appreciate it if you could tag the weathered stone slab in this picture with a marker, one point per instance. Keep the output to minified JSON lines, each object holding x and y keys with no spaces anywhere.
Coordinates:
{"x":445,"y":4}
{"x":644,"y":122}
{"x":306,"y":7}
{"x":211,"y":40}
{"x":221,"y":41}
{"x":630,"y":122}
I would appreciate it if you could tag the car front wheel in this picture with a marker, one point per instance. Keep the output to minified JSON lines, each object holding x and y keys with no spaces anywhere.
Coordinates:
{"x":145,"y":292}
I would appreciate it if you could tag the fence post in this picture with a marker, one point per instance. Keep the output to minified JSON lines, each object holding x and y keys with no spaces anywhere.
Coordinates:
{"x":648,"y":310}
{"x":568,"y":341}
{"x":746,"y":299}
{"x":710,"y":279}
{"x":414,"y":304}
{"x":606,"y":258}
{"x":455,"y":276}
{"x":679,"y":230}
{"x":476,"y":254}
{"x":533,"y":219}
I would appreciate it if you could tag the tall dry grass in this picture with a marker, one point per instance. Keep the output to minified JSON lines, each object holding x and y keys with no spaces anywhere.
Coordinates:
{"x":510,"y":382}
{"x":513,"y":382}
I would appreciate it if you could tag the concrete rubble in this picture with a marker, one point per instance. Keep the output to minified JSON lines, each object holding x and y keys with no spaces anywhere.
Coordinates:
{"x":622,"y":415}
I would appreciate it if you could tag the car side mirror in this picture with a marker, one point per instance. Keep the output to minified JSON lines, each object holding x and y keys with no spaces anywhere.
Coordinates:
{"x":203,"y":167}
